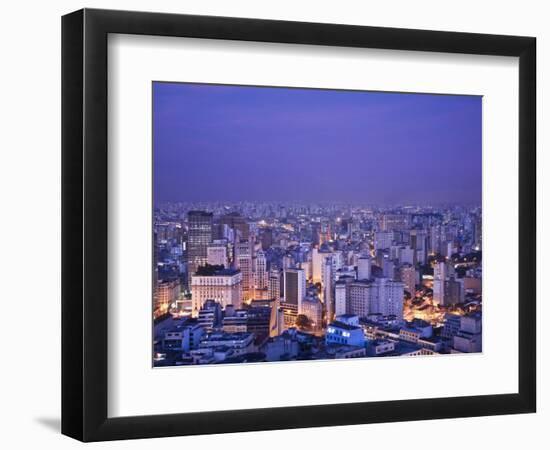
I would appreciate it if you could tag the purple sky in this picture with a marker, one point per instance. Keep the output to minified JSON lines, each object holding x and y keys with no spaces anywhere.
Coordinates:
{"x":235,"y":143}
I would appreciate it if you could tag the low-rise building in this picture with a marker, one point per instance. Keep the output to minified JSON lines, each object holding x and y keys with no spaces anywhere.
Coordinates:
{"x":341,"y":333}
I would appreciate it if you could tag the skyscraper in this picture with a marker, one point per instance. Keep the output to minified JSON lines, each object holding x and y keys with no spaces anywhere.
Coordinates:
{"x":275,"y":284}
{"x":243,"y":262}
{"x":260,"y":273}
{"x":295,"y":286}
{"x":407,"y":275}
{"x":328,"y":289}
{"x":364,"y":268}
{"x":379,"y":296}
{"x":237,"y":223}
{"x":440,"y":274}
{"x":199,"y":236}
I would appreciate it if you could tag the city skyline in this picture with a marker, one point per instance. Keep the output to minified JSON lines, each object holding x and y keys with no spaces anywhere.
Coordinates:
{"x":389,"y":148}
{"x":307,"y":224}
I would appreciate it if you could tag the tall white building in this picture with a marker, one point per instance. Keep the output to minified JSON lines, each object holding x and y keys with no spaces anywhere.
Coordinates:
{"x":260,"y":273}
{"x":407,"y":275}
{"x":341,"y":296}
{"x":364,"y":265}
{"x":406,"y":255}
{"x":379,"y":296}
{"x":223,"y":286}
{"x":440,"y":274}
{"x":317,"y":260}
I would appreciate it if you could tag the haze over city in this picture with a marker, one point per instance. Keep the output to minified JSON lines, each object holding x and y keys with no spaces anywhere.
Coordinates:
{"x":313,"y":145}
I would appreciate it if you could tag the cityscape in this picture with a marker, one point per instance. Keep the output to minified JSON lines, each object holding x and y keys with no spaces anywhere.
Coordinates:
{"x":308,"y":224}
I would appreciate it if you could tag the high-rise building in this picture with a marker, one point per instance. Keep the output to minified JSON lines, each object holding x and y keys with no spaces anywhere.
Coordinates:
{"x":440,"y":274}
{"x":328,"y":290}
{"x":167,"y":293}
{"x":395,"y":222}
{"x":237,"y":223}
{"x":260,"y":271}
{"x":244,"y":262}
{"x":407,"y":275}
{"x":295,"y":286}
{"x":418,"y":242}
{"x":275,"y":288}
{"x":342,"y":295}
{"x":313,"y":310}
{"x":379,"y":296}
{"x":407,"y":255}
{"x":317,"y":260}
{"x":364,"y":264}
{"x":199,"y":235}
{"x":214,"y":283}
{"x":383,"y":240}
{"x":267,"y":238}
{"x":454,"y":291}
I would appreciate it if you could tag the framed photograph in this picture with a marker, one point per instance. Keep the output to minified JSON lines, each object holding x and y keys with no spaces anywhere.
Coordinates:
{"x":273,"y":224}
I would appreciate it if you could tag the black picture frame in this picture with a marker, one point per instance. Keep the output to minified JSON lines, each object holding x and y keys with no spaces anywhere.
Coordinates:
{"x":84,"y":224}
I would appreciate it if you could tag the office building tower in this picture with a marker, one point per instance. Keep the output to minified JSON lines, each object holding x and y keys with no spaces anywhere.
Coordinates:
{"x":294,"y":286}
{"x":440,"y":274}
{"x":260,"y":272}
{"x":328,"y":289}
{"x":267,"y":238}
{"x":238,"y":223}
{"x":275,"y":285}
{"x":199,"y":235}
{"x":243,"y":262}
{"x":454,"y":291}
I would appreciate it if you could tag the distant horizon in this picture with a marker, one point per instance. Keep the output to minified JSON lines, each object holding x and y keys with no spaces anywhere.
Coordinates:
{"x":315,"y":146}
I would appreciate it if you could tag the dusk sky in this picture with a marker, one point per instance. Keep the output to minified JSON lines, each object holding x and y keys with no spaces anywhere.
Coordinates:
{"x":234,"y":143}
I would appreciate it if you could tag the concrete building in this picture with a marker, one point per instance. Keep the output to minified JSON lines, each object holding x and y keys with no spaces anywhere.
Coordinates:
{"x":383,"y":240}
{"x":210,"y":315}
{"x":167,"y":292}
{"x":381,"y":295}
{"x":261,"y":276}
{"x":186,"y":339}
{"x":364,"y":264}
{"x":440,"y":274}
{"x":468,"y":339}
{"x":199,"y":235}
{"x":213,"y":283}
{"x":244,"y":262}
{"x":216,"y":253}
{"x":407,"y":275}
{"x":341,"y":333}
{"x":294,"y":287}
